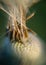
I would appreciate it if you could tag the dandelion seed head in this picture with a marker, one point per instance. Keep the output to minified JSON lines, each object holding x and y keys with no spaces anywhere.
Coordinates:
{"x":31,"y":50}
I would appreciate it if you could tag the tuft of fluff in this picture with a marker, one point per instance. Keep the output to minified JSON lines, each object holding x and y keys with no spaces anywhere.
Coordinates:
{"x":24,"y":3}
{"x":12,"y":7}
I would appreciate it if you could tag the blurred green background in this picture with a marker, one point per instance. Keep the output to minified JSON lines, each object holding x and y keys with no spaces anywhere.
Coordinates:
{"x":37,"y":23}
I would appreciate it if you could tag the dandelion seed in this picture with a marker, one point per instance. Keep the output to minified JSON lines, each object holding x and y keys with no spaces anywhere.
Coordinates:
{"x":24,"y":41}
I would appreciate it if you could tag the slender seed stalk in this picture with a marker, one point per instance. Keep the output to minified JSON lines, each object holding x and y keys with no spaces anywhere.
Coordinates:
{"x":18,"y":27}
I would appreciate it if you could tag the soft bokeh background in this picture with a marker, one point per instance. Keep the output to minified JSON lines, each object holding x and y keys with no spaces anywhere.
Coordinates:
{"x":37,"y":23}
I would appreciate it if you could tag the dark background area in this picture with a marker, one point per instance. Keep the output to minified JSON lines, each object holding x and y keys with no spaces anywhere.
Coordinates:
{"x":38,"y":22}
